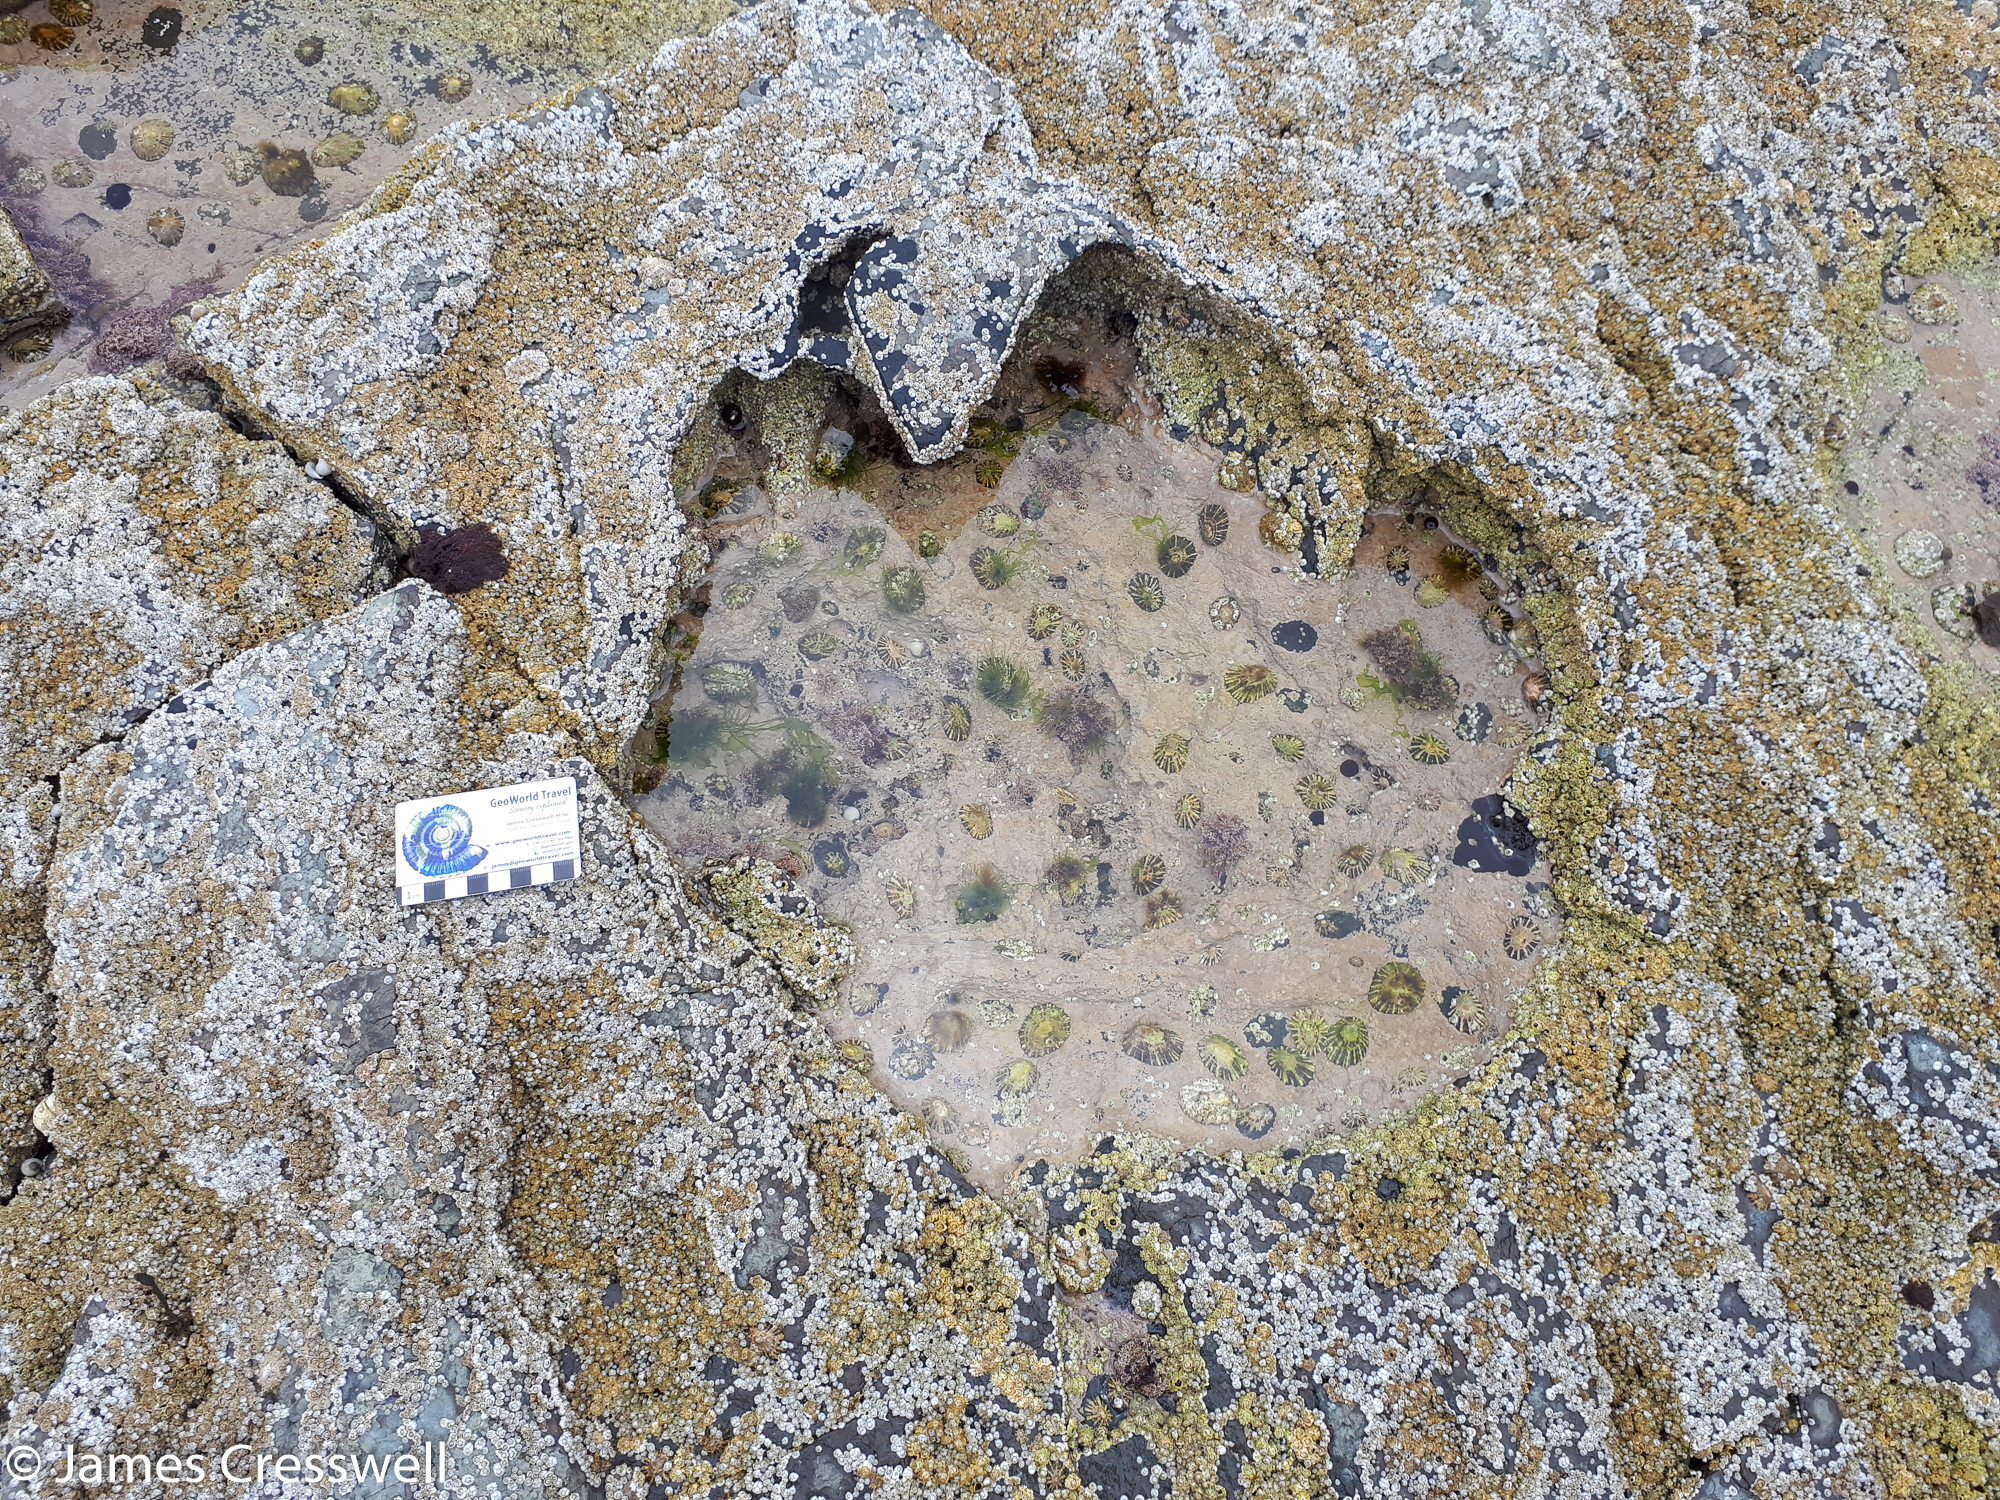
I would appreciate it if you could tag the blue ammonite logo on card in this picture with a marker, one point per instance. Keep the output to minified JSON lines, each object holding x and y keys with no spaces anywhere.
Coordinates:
{"x":439,"y":842}
{"x":473,"y":843}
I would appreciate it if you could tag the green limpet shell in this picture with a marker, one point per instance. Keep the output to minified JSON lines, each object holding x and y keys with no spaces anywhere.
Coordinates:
{"x":152,"y":139}
{"x":353,"y":98}
{"x":977,"y":818}
{"x":729,"y":682}
{"x":1222,"y":1056}
{"x":1016,"y":1080}
{"x":1272,"y":1029}
{"x":999,"y":521}
{"x":1354,"y":860}
{"x":737,"y":595}
{"x":338,"y":149}
{"x":1187,"y":811}
{"x":903,"y":589}
{"x":1073,"y":664}
{"x":957,"y":721}
{"x":1522,"y":937}
{"x":1151,"y":1044}
{"x":1176,"y":556}
{"x":1308,"y":1032}
{"x":1430,"y":750}
{"x":1046,"y":1028}
{"x":1044,"y":620}
{"x":862,"y":547}
{"x":1149,"y":873}
{"x":1288,"y":747}
{"x":1397,"y":988}
{"x":818,"y":645}
{"x":1255,"y":1120}
{"x":1293,"y":1070}
{"x":993,"y":569}
{"x":947,"y":1030}
{"x":911,"y":1058}
{"x":1146,"y":591}
{"x":1464,"y":1009}
{"x":1317,"y":792}
{"x":1211,"y":524}
{"x":1003,"y":682}
{"x":1347,"y":1042}
{"x":1171,"y":753}
{"x":902,"y":898}
{"x":856,"y":1055}
{"x":1404,"y":867}
{"x":1398,"y":560}
{"x":1432,"y":591}
{"x":1248,"y":684}
{"x":781,"y":546}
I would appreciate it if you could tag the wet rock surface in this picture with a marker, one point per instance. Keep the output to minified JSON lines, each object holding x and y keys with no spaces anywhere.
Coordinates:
{"x":578,"y":1173}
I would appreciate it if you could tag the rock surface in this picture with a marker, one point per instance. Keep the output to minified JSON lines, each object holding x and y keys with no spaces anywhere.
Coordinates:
{"x":28,"y":298}
{"x":1716,"y":1221}
{"x":141,"y":544}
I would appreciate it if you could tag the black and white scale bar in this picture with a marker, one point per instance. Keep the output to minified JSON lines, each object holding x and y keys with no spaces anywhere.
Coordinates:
{"x":455,"y":886}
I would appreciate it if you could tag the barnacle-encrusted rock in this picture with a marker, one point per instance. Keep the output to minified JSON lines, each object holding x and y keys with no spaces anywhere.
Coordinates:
{"x":141,"y":544}
{"x":28,"y":298}
{"x":1578,"y":281}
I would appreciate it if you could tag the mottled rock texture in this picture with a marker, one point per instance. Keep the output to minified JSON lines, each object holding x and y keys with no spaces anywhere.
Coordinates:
{"x":28,"y":298}
{"x":141,"y":544}
{"x":1584,"y":279}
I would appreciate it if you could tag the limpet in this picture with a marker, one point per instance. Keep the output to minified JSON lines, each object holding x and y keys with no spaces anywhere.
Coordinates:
{"x":1046,"y":1028}
{"x":1171,"y":753}
{"x":1397,"y":988}
{"x":1222,"y":1056}
{"x":1152,"y":1044}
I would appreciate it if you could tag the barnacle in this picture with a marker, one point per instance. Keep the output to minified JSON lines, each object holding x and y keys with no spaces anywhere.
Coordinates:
{"x":1044,"y":620}
{"x":977,"y":818}
{"x":1146,"y":592}
{"x":1152,"y":1044}
{"x":1346,"y":1042}
{"x":1429,"y":750}
{"x":1317,"y":791}
{"x":1405,"y":867}
{"x":1003,"y":682}
{"x":1176,"y":555}
{"x":781,"y":547}
{"x":999,"y":520}
{"x":1522,"y":937}
{"x":1072,"y":663}
{"x":1463,"y":1008}
{"x":1162,"y":911}
{"x":818,"y":645}
{"x":1187,"y":811}
{"x":903,"y":589}
{"x":1149,"y":873}
{"x":1308,"y":1032}
{"x":911,"y":1058}
{"x":1224,"y":613}
{"x":1016,"y":1080}
{"x":902,"y":897}
{"x":929,"y":545}
{"x":1281,"y":529}
{"x":1268,"y":1030}
{"x":1247,"y":684}
{"x":1288,"y":747}
{"x":1354,"y":860}
{"x":1201,"y":1003}
{"x":862,"y":547}
{"x":984,"y":897}
{"x":1208,"y":1103}
{"x":1066,"y":876}
{"x":947,"y":1030}
{"x":1222,"y":1056}
{"x":1293,"y":1070}
{"x":1046,"y":1028}
{"x":994,"y":569}
{"x":1211,"y":523}
{"x":1397,"y":988}
{"x":957,"y":721}
{"x":1171,"y":752}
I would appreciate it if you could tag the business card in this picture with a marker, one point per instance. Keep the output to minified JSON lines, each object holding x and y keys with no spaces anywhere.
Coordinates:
{"x":493,"y":839}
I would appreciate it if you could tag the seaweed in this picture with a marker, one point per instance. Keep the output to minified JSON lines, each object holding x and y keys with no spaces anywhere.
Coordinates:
{"x":1003,"y":682}
{"x":983,"y":897}
{"x":1075,"y":720}
{"x":457,"y":562}
{"x":1405,"y":671}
